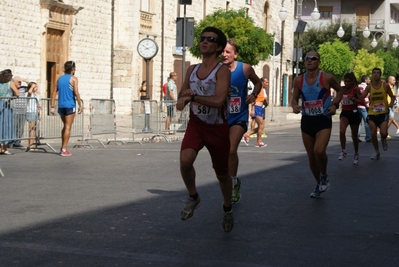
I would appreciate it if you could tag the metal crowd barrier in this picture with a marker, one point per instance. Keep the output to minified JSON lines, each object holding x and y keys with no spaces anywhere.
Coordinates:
{"x":146,"y":120}
{"x":13,"y":118}
{"x":50,"y":126}
{"x":102,"y":120}
{"x":179,"y":119}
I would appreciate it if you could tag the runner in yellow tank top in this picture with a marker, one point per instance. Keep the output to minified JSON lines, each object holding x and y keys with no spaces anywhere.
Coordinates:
{"x":378,"y":111}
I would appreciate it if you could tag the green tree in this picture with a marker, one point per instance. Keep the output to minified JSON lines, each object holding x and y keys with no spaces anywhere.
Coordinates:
{"x":364,"y":62}
{"x":254,"y":43}
{"x":336,"y":58}
{"x":390,"y":63}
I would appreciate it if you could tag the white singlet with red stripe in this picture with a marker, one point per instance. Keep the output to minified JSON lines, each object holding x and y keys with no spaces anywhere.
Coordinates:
{"x":206,"y":87}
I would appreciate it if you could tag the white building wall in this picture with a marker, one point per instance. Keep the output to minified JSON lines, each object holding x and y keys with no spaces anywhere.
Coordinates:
{"x":22,"y":36}
{"x":91,"y":48}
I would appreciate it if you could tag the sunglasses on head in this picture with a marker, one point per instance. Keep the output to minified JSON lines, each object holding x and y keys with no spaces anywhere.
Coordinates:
{"x":313,"y":58}
{"x":208,"y":39}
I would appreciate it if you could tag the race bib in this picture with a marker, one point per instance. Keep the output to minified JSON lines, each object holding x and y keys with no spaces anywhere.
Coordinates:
{"x":314,"y":107}
{"x":379,"y":107}
{"x":235,"y":105}
{"x":347,"y":102}
{"x":199,"y":109}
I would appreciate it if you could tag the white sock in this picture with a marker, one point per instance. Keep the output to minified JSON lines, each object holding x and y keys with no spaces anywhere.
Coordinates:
{"x":234,"y":178}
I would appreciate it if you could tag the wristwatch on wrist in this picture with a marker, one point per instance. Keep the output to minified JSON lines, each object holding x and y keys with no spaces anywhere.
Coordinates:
{"x":336,"y":105}
{"x":192,"y":97}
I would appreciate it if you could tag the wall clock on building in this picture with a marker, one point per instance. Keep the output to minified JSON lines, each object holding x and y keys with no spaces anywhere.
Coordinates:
{"x":147,"y":48}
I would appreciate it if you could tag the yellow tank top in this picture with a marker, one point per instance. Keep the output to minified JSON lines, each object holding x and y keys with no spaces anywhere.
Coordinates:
{"x":378,"y":100}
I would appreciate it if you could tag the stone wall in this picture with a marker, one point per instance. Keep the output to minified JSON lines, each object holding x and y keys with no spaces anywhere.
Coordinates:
{"x":23,"y":36}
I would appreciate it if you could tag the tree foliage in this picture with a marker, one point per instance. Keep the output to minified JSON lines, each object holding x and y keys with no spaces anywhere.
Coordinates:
{"x":366,"y":56}
{"x":254,"y":43}
{"x":373,"y":61}
{"x":336,"y":58}
{"x":390,"y":63}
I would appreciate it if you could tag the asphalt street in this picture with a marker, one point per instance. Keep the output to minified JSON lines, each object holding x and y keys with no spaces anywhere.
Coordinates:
{"x":120,"y":206}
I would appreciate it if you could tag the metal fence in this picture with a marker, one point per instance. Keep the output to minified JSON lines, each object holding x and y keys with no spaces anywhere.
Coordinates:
{"x":13,"y":118}
{"x":14,"y":125}
{"x":102,"y":120}
{"x":178,"y":119}
{"x":50,"y":126}
{"x":146,"y":120}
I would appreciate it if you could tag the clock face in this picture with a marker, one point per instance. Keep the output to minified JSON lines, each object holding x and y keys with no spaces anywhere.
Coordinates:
{"x":147,"y":48}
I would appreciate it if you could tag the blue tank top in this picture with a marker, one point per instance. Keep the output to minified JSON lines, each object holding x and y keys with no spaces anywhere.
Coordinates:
{"x":316,"y":99}
{"x":66,"y":96}
{"x":238,"y":109}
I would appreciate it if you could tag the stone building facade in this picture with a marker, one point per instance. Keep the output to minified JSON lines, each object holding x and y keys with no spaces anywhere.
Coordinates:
{"x":101,"y":36}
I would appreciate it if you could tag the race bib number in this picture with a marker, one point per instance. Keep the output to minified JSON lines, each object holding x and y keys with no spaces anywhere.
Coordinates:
{"x":235,"y":105}
{"x":379,"y":107}
{"x":314,"y":107}
{"x":347,"y":102}
{"x":199,"y":109}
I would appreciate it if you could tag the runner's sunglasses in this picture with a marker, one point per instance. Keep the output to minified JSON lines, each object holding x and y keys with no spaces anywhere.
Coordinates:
{"x":313,"y":58}
{"x":210,"y":39}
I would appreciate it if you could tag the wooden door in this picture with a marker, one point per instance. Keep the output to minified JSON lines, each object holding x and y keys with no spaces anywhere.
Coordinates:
{"x":54,"y":57}
{"x":362,"y":15}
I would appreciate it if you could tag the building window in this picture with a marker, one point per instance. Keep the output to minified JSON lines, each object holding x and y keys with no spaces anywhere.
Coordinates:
{"x":248,"y":2}
{"x":145,"y":5}
{"x":326,"y":12}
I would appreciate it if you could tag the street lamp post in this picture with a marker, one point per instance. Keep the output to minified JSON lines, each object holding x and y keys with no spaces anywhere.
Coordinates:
{"x":385,"y":36}
{"x":366,"y":31}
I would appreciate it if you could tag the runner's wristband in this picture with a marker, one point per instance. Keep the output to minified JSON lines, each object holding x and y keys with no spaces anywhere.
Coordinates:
{"x":192,"y":97}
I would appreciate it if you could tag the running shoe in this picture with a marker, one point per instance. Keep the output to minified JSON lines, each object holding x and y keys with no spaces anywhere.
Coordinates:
{"x":191,"y":205}
{"x":342,"y":155}
{"x":384,"y":144}
{"x":260,"y":144}
{"x":228,"y":221}
{"x":324,"y":183}
{"x":356,"y":159}
{"x":375,"y":156}
{"x":397,"y":131}
{"x":65,"y":153}
{"x":236,"y":195}
{"x":316,"y":192}
{"x":246,"y":139}
{"x":388,"y":136}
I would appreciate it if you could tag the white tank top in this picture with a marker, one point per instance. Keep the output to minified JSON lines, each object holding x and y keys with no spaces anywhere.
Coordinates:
{"x":206,"y":87}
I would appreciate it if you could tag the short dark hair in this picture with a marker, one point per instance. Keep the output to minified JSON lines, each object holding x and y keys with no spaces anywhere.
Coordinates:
{"x":221,"y":40}
{"x":377,"y":69}
{"x":5,"y":76}
{"x":68,"y":66}
{"x":364,"y":78}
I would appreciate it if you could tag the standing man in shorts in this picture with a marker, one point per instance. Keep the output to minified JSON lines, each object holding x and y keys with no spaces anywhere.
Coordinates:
{"x":68,"y":95}
{"x":313,"y":87}
{"x":206,"y":87}
{"x":238,"y":109}
{"x":171,"y":97}
{"x":378,"y":114}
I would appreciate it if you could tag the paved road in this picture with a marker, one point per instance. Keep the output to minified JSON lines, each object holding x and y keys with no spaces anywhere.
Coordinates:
{"x":120,"y":205}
